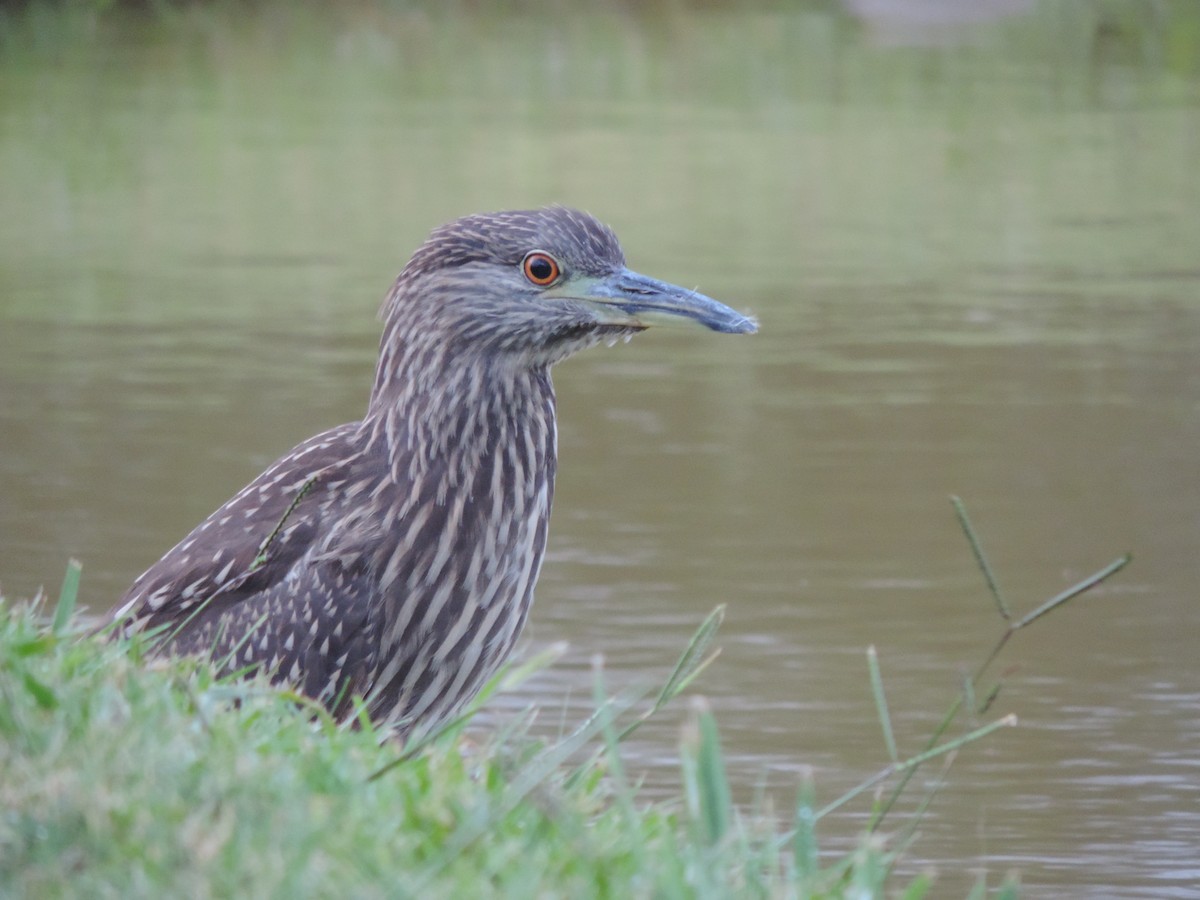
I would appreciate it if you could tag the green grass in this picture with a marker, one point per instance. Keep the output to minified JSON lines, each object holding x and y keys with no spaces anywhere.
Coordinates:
{"x":122,"y":777}
{"x":126,"y":775}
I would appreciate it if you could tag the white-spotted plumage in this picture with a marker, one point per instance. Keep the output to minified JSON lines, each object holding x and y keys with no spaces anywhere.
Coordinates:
{"x":395,"y":558}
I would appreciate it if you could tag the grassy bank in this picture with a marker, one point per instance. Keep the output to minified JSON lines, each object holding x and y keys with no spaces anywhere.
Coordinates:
{"x":127,"y":776}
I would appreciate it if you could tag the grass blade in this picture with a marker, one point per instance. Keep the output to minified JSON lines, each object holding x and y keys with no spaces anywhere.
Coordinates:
{"x":1074,"y":591}
{"x":982,"y":731}
{"x":881,"y":707}
{"x":42,"y":695}
{"x":909,"y":765}
{"x":804,"y":833}
{"x":709,"y":801}
{"x":694,"y":659}
{"x":981,"y":560}
{"x":610,"y":746}
{"x":67,"y":597}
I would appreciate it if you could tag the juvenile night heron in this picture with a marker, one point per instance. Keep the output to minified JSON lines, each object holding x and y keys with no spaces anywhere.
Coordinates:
{"x":394,"y":558}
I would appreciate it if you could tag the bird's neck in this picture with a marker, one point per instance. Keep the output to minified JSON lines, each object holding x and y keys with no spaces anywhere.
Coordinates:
{"x":470,"y":444}
{"x":445,"y":416}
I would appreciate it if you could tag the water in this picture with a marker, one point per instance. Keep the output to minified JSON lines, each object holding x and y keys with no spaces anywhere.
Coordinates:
{"x":973,"y":250}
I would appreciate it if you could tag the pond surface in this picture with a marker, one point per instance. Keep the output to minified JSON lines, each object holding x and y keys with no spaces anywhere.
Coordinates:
{"x":974,"y":248}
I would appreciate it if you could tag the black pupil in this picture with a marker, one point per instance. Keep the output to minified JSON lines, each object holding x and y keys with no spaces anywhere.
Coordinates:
{"x":541,"y":268}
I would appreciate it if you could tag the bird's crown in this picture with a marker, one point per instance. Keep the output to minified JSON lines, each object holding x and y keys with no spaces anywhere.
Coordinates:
{"x":504,"y":238}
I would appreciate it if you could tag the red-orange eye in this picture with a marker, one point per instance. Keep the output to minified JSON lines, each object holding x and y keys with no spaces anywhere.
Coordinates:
{"x":540,"y":268}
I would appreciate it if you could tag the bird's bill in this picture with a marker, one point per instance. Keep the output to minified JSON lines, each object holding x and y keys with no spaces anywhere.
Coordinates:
{"x":627,"y":298}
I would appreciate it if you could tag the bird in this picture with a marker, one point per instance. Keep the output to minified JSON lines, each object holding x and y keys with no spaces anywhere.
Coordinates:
{"x":389,"y":564}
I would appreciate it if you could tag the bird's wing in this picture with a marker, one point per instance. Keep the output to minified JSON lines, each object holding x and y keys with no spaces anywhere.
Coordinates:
{"x":248,"y":545}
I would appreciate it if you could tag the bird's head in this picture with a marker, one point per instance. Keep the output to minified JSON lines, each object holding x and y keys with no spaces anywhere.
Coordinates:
{"x":536,"y":284}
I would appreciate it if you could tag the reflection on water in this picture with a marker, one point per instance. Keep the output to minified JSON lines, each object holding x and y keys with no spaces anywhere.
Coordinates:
{"x":974,"y":263}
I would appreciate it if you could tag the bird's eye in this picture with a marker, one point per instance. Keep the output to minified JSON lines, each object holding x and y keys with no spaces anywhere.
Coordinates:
{"x":540,"y":268}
